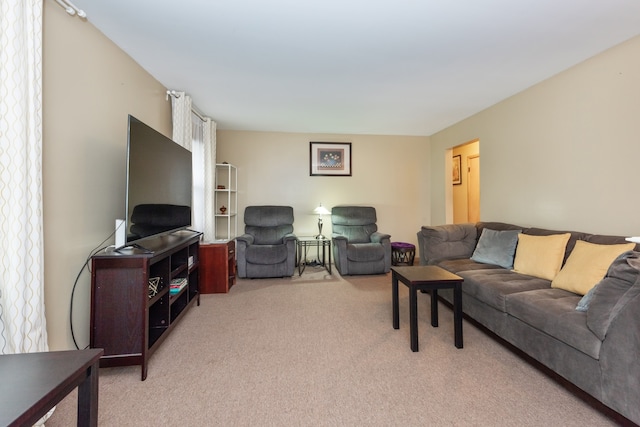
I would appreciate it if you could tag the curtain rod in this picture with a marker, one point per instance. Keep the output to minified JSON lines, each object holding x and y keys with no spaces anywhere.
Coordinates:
{"x":198,"y":113}
{"x":194,"y":110}
{"x":71,"y":8}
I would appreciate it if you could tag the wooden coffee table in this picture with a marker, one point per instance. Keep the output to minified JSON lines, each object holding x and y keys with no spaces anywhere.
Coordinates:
{"x":33,"y":383}
{"x":428,"y":278}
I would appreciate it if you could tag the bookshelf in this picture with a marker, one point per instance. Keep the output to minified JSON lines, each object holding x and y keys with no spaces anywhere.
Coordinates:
{"x":226,"y":201}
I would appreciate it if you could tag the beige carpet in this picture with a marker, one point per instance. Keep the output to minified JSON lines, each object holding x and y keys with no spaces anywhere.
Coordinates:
{"x":320,"y":350}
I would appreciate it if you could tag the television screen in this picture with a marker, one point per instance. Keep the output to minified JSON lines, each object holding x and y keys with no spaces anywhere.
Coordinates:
{"x":159,"y":183}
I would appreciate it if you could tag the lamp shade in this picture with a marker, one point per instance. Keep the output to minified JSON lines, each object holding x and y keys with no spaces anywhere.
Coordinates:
{"x":321,"y":210}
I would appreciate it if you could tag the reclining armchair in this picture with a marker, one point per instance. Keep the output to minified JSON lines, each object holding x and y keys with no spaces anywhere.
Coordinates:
{"x":358,"y":247}
{"x":268,"y":246}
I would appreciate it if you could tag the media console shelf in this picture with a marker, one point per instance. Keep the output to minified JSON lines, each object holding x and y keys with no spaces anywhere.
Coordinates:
{"x":133,"y":308}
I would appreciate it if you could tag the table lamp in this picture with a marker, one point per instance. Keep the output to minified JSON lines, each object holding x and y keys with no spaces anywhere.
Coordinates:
{"x":320,"y":210}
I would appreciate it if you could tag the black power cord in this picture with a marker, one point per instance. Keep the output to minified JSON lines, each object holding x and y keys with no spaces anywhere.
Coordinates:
{"x":75,"y":283}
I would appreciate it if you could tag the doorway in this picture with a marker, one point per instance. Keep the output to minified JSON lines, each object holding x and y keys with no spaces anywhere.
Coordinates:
{"x":466,"y":189}
{"x":473,"y":189}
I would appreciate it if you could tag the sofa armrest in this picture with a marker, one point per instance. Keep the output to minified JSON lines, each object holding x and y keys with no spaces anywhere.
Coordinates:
{"x":242,"y":242}
{"x":377,"y":237}
{"x":619,"y":362}
{"x":246,"y":239}
{"x":339,"y":246}
{"x":437,"y":243}
{"x":291,"y":242}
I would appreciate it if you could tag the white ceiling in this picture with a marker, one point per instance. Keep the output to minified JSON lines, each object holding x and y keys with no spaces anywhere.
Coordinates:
{"x":396,"y":67}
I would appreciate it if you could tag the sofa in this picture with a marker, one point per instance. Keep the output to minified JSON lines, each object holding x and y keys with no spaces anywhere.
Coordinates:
{"x":358,"y":246}
{"x":268,"y":246}
{"x":569,"y":300}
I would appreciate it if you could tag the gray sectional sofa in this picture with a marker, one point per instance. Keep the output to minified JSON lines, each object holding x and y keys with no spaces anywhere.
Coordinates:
{"x":593,"y":340}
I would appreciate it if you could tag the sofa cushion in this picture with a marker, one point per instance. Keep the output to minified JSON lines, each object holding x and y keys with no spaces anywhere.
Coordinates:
{"x":498,"y":226}
{"x":448,"y":241}
{"x":540,"y":256}
{"x":552,"y":311}
{"x":465,"y":264}
{"x":496,"y":247}
{"x":268,"y":216}
{"x":587,"y":265}
{"x":492,"y":285}
{"x":356,"y":223}
{"x":365,"y":252}
{"x":607,"y":300}
{"x":266,"y":254}
{"x":356,"y":234}
{"x":268,"y":235}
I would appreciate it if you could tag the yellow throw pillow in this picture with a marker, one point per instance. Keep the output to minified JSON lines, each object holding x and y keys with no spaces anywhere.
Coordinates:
{"x":540,"y":256}
{"x":587,"y":265}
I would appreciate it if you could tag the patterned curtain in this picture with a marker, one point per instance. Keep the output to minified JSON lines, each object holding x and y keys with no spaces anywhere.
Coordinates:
{"x":22,"y":314}
{"x":199,"y":136}
{"x":181,"y":114}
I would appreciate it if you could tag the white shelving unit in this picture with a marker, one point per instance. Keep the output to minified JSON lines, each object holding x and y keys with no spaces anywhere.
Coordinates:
{"x":227,"y":197}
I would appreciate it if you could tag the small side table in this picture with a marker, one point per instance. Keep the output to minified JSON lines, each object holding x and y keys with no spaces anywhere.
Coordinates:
{"x":306,"y":242}
{"x":427,"y":278}
{"x":402,"y":253}
{"x":217,"y":266}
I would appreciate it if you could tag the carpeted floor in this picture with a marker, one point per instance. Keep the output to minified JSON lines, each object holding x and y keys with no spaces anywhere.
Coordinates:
{"x":320,"y":350}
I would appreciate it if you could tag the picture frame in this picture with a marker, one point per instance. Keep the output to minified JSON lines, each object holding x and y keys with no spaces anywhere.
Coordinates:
{"x":457,"y":170}
{"x":330,"y":159}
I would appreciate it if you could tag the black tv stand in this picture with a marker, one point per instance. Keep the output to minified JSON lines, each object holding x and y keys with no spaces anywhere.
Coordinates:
{"x":129,"y":249}
{"x":132,"y":307}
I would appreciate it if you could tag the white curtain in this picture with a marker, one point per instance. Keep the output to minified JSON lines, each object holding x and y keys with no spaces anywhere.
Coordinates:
{"x":181,"y":114}
{"x":22,"y":313}
{"x":197,"y":134}
{"x":209,"y":141}
{"x":197,"y":150}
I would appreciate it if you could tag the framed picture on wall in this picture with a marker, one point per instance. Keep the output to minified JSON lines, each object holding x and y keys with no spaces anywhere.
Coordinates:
{"x":457,"y":169}
{"x":330,"y":159}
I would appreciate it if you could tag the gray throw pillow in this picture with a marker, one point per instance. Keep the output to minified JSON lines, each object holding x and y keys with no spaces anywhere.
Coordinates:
{"x":583,"y":304}
{"x":496,"y":247}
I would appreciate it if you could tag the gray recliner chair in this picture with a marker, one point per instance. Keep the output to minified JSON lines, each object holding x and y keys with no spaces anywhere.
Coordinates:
{"x":268,"y":246}
{"x":358,"y":247}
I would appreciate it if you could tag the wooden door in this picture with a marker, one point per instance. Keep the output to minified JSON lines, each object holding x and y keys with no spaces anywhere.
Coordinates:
{"x":473,"y":188}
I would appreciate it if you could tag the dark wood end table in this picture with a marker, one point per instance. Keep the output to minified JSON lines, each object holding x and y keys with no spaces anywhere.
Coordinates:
{"x":33,"y":383}
{"x":428,"y":278}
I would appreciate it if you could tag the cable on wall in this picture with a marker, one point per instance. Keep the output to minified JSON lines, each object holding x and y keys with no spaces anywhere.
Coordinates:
{"x":97,"y":249}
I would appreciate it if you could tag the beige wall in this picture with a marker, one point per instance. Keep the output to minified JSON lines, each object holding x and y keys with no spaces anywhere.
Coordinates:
{"x":90,"y":86}
{"x":389,"y":173}
{"x":562,"y":154}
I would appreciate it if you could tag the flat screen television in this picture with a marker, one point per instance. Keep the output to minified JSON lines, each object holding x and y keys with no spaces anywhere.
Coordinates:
{"x":159,"y":184}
